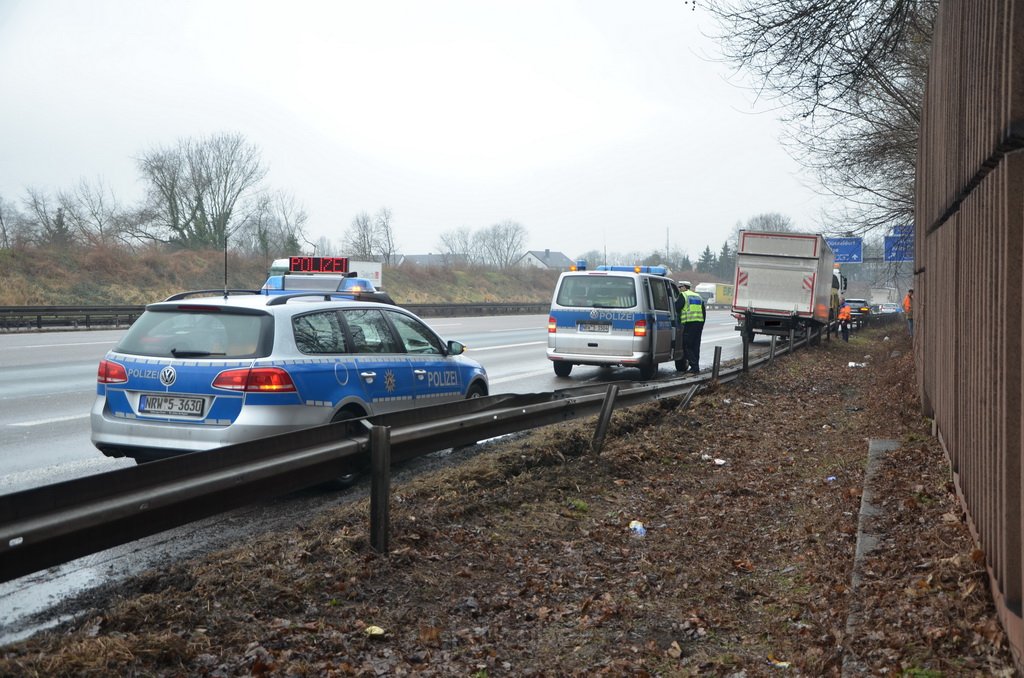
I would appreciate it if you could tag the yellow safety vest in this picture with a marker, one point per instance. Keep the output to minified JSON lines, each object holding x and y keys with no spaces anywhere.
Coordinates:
{"x":694,"y":311}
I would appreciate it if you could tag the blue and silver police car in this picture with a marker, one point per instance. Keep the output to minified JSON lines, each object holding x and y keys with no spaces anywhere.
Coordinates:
{"x":614,"y":315}
{"x":196,"y":373}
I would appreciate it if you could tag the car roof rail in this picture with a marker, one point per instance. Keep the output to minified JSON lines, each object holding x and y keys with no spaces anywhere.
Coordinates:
{"x":193,"y":293}
{"x":279,"y":299}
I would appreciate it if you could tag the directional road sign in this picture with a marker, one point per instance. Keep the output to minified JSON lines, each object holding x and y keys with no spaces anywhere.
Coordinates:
{"x":847,"y":250}
{"x":899,"y":248}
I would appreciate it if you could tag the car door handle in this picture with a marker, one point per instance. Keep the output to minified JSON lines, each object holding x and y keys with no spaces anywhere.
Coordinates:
{"x":368,"y":376}
{"x":420,"y":374}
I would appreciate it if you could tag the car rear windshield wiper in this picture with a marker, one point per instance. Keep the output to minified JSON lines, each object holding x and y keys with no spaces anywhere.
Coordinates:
{"x":192,"y":354}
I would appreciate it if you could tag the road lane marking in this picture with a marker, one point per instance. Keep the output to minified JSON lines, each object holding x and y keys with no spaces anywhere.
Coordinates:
{"x":520,"y":376}
{"x":521,"y":329}
{"x":77,"y":343}
{"x":496,"y":348}
{"x":52,"y":420}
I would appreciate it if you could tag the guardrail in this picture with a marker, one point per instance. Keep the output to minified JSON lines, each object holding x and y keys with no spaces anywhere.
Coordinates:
{"x":46,"y":526}
{"x":38,"y":318}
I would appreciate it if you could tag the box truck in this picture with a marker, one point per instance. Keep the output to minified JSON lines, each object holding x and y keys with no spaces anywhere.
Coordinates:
{"x":784,"y":281}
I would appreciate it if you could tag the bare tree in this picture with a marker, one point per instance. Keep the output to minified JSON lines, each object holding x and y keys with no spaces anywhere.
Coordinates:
{"x":47,"y":220}
{"x":196,"y":187}
{"x":273,"y":227}
{"x":9,"y":217}
{"x":456,"y":246}
{"x":386,"y":247}
{"x":503,"y":243}
{"x":93,"y":212}
{"x":851,"y":74}
{"x":361,"y":239}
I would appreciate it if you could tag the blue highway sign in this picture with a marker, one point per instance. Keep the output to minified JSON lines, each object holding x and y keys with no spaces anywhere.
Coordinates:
{"x":899,"y":247}
{"x":847,"y":250}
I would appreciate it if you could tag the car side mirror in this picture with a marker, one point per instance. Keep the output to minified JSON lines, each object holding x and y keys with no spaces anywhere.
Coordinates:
{"x":456,"y":347}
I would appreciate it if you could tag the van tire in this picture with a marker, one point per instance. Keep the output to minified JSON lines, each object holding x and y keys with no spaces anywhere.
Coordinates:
{"x":648,"y":369}
{"x":562,"y":369}
{"x":681,"y":365}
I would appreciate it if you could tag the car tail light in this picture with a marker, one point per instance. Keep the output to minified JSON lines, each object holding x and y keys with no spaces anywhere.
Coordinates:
{"x":111,"y":373}
{"x":640,"y":328}
{"x":552,"y":325}
{"x":256,"y":379}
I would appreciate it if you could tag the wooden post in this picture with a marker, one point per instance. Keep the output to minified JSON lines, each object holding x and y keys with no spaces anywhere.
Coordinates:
{"x":380,"y":487}
{"x":606,"y":414}
{"x":717,"y":363}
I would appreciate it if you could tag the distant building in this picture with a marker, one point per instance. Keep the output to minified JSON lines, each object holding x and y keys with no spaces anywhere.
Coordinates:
{"x":553,"y":261}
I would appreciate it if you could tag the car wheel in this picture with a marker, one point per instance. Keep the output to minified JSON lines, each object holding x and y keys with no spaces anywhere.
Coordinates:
{"x":349,"y":479}
{"x":562,"y":369}
{"x":476,"y":391}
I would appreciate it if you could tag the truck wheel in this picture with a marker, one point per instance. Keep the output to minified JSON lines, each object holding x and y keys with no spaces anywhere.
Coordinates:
{"x":648,"y":369}
{"x":562,"y":369}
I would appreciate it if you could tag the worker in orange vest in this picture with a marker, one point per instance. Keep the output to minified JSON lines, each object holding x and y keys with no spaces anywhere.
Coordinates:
{"x":844,"y":320}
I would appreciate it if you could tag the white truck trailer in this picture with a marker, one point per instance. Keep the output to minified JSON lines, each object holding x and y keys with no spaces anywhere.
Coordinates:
{"x":784,"y":281}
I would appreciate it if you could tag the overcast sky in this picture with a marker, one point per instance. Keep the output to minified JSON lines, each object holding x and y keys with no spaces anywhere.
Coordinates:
{"x":595,"y":125}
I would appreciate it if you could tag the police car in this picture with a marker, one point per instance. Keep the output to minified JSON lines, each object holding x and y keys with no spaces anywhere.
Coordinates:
{"x":614,"y":315}
{"x":199,"y":372}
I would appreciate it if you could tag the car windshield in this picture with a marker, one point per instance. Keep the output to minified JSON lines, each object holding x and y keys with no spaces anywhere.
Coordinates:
{"x":195,"y":334}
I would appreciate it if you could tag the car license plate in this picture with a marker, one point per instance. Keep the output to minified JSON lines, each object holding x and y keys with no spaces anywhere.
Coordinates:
{"x":593,"y":327}
{"x":174,"y":405}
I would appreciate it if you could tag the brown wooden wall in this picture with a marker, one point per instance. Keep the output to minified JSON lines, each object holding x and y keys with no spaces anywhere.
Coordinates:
{"x":969,"y":253}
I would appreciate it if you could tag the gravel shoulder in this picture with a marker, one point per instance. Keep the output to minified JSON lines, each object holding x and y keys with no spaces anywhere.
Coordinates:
{"x":520,"y":561}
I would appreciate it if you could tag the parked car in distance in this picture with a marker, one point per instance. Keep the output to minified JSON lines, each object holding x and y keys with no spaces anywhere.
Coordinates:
{"x":886,"y":308}
{"x":858,"y":308}
{"x":196,"y":373}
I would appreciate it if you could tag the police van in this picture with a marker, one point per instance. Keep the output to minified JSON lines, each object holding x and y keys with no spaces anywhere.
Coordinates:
{"x":612,"y":316}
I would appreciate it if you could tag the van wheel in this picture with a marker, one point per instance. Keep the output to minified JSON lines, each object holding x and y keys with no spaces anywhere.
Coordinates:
{"x":350,"y":478}
{"x":562,"y":369}
{"x":681,"y":365}
{"x":648,"y":369}
{"x":476,"y":391}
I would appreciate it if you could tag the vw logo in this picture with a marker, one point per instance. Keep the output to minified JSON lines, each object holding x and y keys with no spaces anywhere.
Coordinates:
{"x":167,"y":376}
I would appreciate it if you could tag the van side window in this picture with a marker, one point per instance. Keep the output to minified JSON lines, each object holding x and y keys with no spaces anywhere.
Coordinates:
{"x":660,"y":293}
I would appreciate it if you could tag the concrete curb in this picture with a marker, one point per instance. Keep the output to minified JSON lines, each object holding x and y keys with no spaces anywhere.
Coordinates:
{"x":866,"y":543}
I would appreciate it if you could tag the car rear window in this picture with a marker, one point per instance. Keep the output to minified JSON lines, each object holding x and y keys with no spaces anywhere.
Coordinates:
{"x":594,"y":291}
{"x":197,"y":334}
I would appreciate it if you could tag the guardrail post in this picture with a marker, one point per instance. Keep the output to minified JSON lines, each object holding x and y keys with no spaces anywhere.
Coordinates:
{"x":792,"y":338}
{"x":716,"y":364}
{"x":602,"y":420}
{"x":380,"y":487}
{"x":746,"y":353}
{"x":771,"y":351}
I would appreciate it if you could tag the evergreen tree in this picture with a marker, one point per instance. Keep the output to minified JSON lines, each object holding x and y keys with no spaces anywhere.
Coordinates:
{"x":707,"y":261}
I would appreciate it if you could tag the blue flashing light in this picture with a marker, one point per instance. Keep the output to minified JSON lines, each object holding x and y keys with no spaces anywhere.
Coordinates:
{"x":655,"y":270}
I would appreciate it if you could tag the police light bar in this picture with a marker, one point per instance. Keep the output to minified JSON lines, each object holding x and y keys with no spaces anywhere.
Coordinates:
{"x":580,"y":265}
{"x":656,"y":270}
{"x":318,"y":264}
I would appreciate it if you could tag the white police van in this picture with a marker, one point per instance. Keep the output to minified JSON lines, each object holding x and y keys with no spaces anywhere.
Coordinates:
{"x":615,"y":315}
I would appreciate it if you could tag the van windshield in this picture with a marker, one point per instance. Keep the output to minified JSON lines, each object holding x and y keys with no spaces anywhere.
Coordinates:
{"x":592,"y":291}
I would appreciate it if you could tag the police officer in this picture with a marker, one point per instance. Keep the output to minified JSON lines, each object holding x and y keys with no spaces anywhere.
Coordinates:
{"x":845,"y":319}
{"x":692,"y":317}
